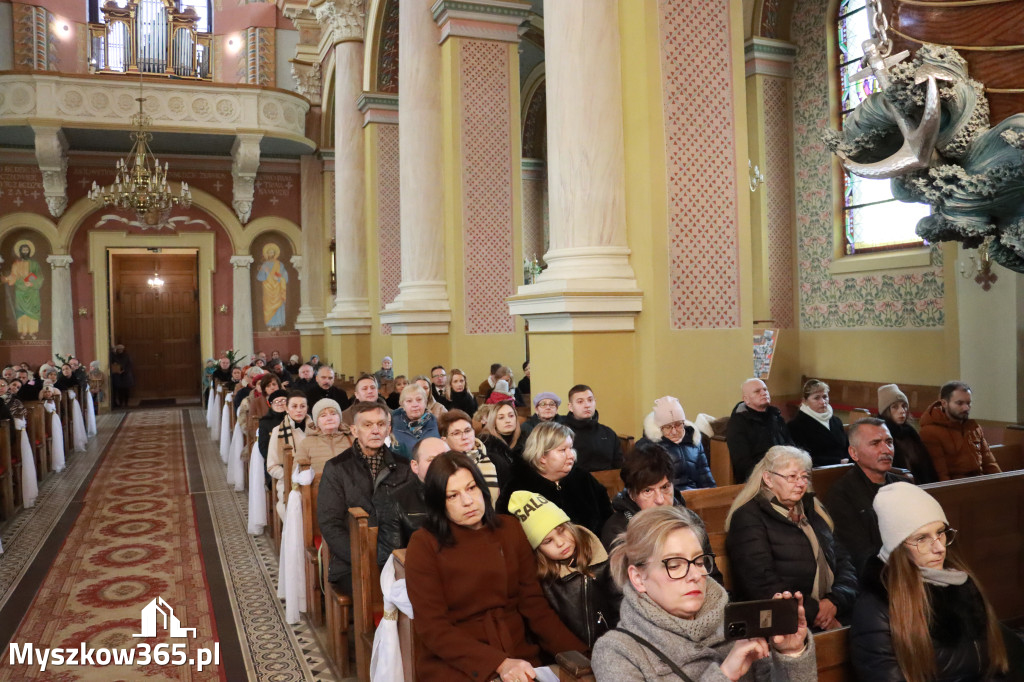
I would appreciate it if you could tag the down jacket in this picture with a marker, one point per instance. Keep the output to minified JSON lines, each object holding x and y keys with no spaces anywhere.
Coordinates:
{"x":957,"y":632}
{"x":769,"y":553}
{"x":749,"y":434}
{"x":346,"y":482}
{"x":958,"y":448}
{"x":689,"y":462}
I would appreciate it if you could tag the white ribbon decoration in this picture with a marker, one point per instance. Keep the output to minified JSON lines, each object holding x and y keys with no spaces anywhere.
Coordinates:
{"x":218,"y":407}
{"x":56,"y":440}
{"x":29,"y":485}
{"x":211,"y":405}
{"x":291,"y":579}
{"x":81,"y":439}
{"x":257,"y":492}
{"x":386,"y":658}
{"x":236,"y":472}
{"x":225,"y":431}
{"x":90,"y":415}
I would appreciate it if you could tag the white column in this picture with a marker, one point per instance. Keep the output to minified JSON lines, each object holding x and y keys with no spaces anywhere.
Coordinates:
{"x":241,"y":304}
{"x":351,"y":311}
{"x":62,"y":322}
{"x":314,"y":237}
{"x":586,"y":177}
{"x":422,"y":305}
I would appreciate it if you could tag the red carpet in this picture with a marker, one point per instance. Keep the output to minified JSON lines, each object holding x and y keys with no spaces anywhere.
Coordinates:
{"x":134,"y":541}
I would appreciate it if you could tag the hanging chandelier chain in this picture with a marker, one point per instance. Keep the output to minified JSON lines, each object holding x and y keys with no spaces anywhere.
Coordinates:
{"x":880,"y":28}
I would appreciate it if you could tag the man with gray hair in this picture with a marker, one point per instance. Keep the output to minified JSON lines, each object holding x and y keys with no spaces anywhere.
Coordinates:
{"x":754,"y":426}
{"x":850,"y":498}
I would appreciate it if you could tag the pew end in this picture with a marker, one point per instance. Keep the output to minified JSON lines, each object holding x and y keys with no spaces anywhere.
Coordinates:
{"x":367,"y":599}
{"x":406,"y":634}
{"x":573,"y":666}
{"x":610,"y":479}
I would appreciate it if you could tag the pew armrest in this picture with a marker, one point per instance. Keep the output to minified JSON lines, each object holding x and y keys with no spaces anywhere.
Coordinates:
{"x":573,"y":666}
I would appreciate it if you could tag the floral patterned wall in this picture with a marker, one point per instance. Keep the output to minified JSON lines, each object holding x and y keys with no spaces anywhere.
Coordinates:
{"x":878,"y":299}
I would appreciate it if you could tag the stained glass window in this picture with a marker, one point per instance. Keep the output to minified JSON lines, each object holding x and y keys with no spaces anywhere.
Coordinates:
{"x":873,"y":220}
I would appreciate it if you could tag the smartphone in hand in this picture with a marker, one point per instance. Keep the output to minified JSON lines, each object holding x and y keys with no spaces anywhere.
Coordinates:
{"x":762,"y":618}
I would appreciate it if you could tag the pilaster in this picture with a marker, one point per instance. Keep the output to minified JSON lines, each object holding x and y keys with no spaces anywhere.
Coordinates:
{"x":241,"y":304}
{"x":62,"y":320}
{"x":310,"y":265}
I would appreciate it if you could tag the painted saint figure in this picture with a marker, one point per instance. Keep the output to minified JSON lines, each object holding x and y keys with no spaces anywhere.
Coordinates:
{"x":26,"y":278}
{"x":275,"y":287}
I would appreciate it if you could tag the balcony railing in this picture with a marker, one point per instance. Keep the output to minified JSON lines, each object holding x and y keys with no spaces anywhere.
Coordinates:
{"x":152,"y":37}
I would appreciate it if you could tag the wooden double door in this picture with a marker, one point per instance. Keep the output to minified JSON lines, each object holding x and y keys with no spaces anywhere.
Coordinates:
{"x":159,"y":326}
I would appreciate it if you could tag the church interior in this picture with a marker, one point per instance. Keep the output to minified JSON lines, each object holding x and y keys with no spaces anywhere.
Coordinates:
{"x":367,"y":179}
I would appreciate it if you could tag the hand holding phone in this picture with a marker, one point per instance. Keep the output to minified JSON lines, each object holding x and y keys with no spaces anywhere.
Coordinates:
{"x":763,"y":618}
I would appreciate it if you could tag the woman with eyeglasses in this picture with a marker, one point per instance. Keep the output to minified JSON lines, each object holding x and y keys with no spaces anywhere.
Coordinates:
{"x":666,"y":425}
{"x":669,"y":603}
{"x":779,"y":538}
{"x":545,"y":406}
{"x":547,"y":467}
{"x":922,"y":615}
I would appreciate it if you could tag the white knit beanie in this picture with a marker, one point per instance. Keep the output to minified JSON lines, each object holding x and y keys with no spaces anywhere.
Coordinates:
{"x":322,"y":404}
{"x":889,"y":394}
{"x":667,"y":410}
{"x":902,"y":508}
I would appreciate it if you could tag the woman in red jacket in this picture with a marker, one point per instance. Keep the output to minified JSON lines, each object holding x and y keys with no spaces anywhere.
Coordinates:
{"x":472,"y":581}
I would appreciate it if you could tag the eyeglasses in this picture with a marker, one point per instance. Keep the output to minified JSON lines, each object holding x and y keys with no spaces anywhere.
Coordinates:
{"x":674,"y":426}
{"x":437,"y":376}
{"x":280,"y":402}
{"x":923,"y":543}
{"x":648,"y":493}
{"x":677,"y":567}
{"x":793,"y":479}
{"x":460,"y":434}
{"x":547,"y":403}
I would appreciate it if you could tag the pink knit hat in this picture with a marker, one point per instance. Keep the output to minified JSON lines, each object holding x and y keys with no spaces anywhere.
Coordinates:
{"x":668,"y":410}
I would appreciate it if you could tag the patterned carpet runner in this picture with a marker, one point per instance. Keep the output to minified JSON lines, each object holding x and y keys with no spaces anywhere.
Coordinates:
{"x":130,"y":566}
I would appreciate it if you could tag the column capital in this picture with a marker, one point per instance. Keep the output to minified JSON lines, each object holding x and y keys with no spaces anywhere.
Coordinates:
{"x":378,"y":107}
{"x":242,"y":261}
{"x":341,"y":20}
{"x":769,"y":57}
{"x":480,"y":19}
{"x":61,"y":260}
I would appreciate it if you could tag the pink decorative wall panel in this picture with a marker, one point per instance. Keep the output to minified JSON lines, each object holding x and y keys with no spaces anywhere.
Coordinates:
{"x":489,"y":274}
{"x":779,"y":186}
{"x":388,"y":216}
{"x":697,"y":87}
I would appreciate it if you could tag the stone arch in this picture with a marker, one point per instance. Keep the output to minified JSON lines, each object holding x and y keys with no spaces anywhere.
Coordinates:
{"x":283,"y":226}
{"x":533,"y":110}
{"x":41,"y":224}
{"x":78,"y":212}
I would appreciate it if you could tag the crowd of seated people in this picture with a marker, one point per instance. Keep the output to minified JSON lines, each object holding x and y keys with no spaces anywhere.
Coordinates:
{"x":547,"y":562}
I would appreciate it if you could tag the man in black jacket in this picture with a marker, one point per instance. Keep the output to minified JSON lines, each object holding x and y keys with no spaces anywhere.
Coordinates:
{"x":366,"y":475}
{"x":597,"y":446}
{"x":407,"y":508}
{"x":754,"y":426}
{"x":849,"y":500}
{"x":325,"y":388}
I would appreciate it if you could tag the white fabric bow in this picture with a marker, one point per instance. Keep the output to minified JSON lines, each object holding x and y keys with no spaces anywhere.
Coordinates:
{"x":19,"y":424}
{"x":49,"y":406}
{"x":71,"y":394}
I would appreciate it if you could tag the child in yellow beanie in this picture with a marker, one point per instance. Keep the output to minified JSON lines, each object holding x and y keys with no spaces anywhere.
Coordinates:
{"x":572,"y":566}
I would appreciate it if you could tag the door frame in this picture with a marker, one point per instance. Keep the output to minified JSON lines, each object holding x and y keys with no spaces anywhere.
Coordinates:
{"x":103,"y":245}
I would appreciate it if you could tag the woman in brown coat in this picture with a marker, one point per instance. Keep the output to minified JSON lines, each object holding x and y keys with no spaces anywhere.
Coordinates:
{"x":472,"y":581}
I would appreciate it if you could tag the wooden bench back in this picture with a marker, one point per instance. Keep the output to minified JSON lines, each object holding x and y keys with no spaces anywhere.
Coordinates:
{"x":846,"y":394}
{"x":367,"y":599}
{"x":35,"y":415}
{"x":7,"y":505}
{"x":406,"y":635}
{"x":712,"y":504}
{"x":610,"y":479}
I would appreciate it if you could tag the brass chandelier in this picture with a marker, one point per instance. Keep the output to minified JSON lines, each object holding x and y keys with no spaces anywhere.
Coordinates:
{"x":141,"y":183}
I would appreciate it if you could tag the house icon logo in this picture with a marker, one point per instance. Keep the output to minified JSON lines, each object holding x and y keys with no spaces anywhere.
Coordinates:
{"x":157,"y":609}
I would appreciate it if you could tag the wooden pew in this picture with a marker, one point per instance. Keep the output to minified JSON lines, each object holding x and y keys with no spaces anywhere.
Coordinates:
{"x":36,"y":418}
{"x":610,"y":479}
{"x":7,"y":505}
{"x":339,"y":616}
{"x":367,"y":600}
{"x":626,"y":443}
{"x":406,"y":634}
{"x":721,"y":465}
{"x":822,"y":478}
{"x":989,"y":513}
{"x":846,"y":394}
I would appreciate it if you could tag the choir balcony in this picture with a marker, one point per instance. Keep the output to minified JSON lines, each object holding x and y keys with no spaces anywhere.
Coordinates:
{"x":94,"y":113}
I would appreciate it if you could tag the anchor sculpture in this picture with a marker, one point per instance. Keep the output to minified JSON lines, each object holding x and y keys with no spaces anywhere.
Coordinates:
{"x":937,"y":147}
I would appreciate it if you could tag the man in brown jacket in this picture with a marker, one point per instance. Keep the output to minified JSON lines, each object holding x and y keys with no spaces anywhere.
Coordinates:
{"x":956,"y":442}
